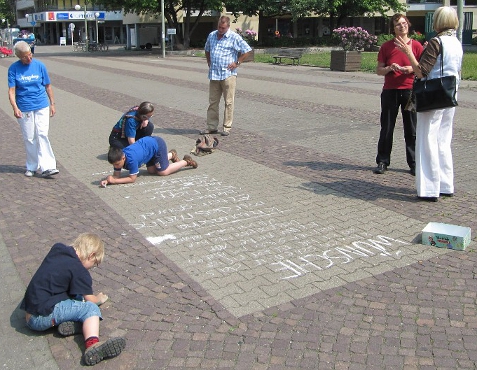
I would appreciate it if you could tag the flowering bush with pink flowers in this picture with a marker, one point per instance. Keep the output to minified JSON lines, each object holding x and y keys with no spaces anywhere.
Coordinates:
{"x":248,"y":35}
{"x":354,"y":38}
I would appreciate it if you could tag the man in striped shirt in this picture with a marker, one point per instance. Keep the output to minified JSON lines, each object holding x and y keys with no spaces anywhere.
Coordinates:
{"x":225,"y":50}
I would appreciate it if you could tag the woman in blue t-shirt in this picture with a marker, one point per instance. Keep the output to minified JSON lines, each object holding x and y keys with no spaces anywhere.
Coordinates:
{"x":31,"y":96}
{"x":132,"y":126}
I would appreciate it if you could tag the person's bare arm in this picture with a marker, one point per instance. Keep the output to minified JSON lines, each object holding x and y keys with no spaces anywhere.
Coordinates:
{"x":51,"y":96}
{"x":117,"y":179}
{"x":11,"y":96}
{"x":98,"y":299}
{"x":382,"y":69}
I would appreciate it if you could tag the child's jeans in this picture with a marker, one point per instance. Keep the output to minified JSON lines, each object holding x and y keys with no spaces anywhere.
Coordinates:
{"x":69,"y":310}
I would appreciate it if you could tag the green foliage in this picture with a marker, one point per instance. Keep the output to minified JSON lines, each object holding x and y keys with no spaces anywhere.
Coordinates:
{"x":469,"y":66}
{"x":172,"y":11}
{"x":369,"y":61}
{"x":418,"y":37}
{"x":296,"y":42}
{"x":382,"y":38}
{"x":389,"y":36}
{"x":337,"y":10}
{"x":269,"y":8}
{"x":7,"y":11}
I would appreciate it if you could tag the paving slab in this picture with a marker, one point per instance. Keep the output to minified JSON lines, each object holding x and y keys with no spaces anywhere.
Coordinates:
{"x":282,"y":250}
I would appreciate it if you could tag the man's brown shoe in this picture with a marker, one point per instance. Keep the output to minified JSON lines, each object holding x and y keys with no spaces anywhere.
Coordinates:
{"x":190,"y":161}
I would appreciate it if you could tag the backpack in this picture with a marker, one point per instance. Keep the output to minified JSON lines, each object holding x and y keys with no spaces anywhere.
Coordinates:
{"x":205,"y":144}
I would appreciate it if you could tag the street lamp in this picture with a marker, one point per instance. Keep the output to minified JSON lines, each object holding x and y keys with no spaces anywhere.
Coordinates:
{"x":78,"y":7}
{"x":96,"y":15}
{"x":163,"y":29}
{"x":8,"y":32}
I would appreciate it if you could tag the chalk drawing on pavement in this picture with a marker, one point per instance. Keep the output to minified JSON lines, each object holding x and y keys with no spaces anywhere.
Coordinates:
{"x":219,"y":229}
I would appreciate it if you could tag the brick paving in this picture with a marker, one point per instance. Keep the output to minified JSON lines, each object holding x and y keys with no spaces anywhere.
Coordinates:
{"x":302,"y":160}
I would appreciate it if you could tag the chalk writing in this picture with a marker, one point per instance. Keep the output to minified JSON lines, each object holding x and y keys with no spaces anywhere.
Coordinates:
{"x":219,"y":230}
{"x":341,"y":255}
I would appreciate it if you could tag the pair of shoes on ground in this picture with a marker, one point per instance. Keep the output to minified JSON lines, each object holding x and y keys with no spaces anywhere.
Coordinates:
{"x":427,"y":199}
{"x":434,"y":199}
{"x":223,"y":133}
{"x":46,"y":173}
{"x":187,"y":158}
{"x":382,"y":168}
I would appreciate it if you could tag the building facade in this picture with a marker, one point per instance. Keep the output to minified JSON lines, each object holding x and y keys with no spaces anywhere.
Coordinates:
{"x":65,"y":21}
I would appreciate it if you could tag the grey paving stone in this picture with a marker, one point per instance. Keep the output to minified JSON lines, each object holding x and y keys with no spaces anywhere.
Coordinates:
{"x":282,"y":250}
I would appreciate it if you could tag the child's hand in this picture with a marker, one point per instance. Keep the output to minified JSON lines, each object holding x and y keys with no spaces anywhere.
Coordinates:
{"x":103,"y":183}
{"x":102,"y":298}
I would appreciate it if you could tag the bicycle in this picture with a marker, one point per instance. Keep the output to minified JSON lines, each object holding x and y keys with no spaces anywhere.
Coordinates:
{"x":79,"y":46}
{"x":93,"y":46}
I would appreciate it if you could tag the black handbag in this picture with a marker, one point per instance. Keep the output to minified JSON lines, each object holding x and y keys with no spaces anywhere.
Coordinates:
{"x":435,"y":93}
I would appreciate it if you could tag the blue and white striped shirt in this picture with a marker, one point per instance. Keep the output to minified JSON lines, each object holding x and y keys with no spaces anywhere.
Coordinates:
{"x":223,"y":52}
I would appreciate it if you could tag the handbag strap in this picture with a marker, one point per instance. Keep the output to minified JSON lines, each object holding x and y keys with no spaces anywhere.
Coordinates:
{"x":442,"y":55}
{"x":442,"y":59}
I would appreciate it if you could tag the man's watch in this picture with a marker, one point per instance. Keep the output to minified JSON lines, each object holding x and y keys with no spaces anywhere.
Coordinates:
{"x":237,"y":62}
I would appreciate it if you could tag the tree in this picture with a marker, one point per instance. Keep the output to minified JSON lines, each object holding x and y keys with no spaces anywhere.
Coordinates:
{"x":336,"y":10}
{"x":269,"y":8}
{"x":7,"y":11}
{"x":172,"y":11}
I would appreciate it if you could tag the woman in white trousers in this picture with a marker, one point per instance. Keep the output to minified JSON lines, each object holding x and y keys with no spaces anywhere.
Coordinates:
{"x":33,"y":102}
{"x":434,"y":166}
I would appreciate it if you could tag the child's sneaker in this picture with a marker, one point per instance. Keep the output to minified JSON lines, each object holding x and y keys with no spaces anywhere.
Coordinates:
{"x":103,"y":350}
{"x":68,"y":328}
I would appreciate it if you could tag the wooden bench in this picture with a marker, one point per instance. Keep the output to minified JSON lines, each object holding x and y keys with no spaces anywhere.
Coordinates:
{"x":293,"y":54}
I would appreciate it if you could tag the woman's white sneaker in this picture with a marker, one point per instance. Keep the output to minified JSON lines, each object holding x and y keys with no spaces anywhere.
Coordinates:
{"x":48,"y":173}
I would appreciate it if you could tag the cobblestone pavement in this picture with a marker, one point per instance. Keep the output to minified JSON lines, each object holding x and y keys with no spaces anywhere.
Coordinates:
{"x":282,"y":250}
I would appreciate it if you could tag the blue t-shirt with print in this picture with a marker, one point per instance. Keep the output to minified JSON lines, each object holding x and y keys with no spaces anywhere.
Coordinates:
{"x":29,"y":81}
{"x":140,"y":153}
